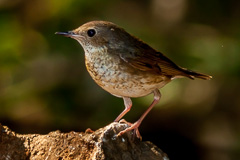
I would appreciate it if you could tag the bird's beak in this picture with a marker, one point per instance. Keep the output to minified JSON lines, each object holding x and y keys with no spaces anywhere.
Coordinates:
{"x":67,"y":34}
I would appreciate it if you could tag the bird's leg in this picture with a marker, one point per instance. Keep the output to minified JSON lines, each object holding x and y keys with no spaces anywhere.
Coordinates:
{"x":157,"y":96}
{"x":128,"y":105}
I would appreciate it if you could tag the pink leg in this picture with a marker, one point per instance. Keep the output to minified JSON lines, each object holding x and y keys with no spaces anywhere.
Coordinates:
{"x":157,"y":96}
{"x":128,"y":105}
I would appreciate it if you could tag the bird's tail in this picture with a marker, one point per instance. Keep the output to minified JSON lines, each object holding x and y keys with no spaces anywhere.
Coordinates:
{"x":192,"y":74}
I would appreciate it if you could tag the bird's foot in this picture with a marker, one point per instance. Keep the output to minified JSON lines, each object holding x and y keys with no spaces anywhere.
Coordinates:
{"x":132,"y":126}
{"x":89,"y":130}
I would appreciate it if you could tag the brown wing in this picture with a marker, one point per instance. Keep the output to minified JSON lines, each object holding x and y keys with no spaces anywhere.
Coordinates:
{"x":145,"y":58}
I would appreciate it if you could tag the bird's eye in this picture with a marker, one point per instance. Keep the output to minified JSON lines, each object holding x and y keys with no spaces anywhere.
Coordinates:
{"x":91,"y":32}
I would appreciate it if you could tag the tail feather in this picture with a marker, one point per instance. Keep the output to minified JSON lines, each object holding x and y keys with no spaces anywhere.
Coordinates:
{"x":192,"y":74}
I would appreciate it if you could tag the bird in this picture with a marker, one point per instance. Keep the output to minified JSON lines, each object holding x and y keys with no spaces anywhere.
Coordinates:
{"x":125,"y":66}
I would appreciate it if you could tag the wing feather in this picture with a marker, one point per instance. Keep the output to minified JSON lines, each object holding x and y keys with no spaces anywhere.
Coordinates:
{"x":143,"y":57}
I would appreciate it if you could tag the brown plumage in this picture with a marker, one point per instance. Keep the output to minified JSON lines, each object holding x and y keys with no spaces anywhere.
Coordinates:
{"x":125,"y":66}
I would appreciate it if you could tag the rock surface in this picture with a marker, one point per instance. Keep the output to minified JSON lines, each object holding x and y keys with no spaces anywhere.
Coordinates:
{"x":102,"y":144}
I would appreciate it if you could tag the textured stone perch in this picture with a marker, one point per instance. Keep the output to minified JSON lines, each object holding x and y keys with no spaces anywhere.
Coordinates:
{"x":102,"y":144}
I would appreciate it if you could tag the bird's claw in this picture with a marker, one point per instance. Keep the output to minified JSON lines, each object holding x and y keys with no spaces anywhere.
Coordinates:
{"x":133,"y":127}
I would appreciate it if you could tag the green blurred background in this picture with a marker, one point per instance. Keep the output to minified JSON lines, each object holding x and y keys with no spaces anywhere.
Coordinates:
{"x":44,"y":85}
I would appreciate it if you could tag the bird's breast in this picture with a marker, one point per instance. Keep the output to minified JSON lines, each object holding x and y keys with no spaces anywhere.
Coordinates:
{"x":119,"y":78}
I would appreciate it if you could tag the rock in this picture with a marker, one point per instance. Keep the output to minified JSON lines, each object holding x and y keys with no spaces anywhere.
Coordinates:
{"x":102,"y":144}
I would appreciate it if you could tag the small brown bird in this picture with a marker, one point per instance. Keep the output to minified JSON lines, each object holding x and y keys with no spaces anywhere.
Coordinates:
{"x":125,"y":66}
